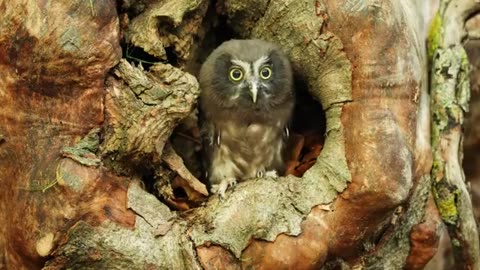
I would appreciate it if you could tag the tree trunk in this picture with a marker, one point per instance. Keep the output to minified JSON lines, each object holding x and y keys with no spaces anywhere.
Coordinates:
{"x":87,"y":136}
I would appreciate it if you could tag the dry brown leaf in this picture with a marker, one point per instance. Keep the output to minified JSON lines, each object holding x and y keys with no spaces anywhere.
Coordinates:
{"x":175,"y":162}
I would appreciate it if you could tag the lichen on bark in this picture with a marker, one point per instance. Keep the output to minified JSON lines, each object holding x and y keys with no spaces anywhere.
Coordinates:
{"x":450,"y":92}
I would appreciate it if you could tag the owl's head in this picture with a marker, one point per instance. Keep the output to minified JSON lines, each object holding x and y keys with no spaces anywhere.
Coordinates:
{"x":250,"y":74}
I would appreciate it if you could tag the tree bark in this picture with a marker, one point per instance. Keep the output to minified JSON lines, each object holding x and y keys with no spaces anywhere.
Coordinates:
{"x":450,"y":90}
{"x":82,"y":130}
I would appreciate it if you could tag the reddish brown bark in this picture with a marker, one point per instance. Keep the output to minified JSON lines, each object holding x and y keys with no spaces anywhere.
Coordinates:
{"x":425,"y":238}
{"x":52,"y":95}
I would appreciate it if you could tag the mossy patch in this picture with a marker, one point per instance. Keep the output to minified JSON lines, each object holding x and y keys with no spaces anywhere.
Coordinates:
{"x":434,"y":35}
{"x":446,"y":199}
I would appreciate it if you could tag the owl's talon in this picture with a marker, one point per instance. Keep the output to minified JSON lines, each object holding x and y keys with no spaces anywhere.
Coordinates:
{"x":232,"y":182}
{"x":260,"y":173}
{"x":223,"y":186}
{"x":214,"y":189}
{"x":272,"y":174}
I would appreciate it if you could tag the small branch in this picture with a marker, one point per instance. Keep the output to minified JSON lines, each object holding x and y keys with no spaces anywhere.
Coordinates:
{"x":188,"y":137}
{"x":92,"y":8}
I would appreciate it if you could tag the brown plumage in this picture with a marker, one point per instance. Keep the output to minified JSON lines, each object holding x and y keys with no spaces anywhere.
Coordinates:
{"x":246,"y":102}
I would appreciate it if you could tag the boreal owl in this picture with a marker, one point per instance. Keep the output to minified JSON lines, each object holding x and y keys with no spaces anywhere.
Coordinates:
{"x":246,"y":103}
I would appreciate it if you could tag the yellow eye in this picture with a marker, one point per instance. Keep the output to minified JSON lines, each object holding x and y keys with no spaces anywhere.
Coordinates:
{"x":265,"y":72}
{"x":236,"y":74}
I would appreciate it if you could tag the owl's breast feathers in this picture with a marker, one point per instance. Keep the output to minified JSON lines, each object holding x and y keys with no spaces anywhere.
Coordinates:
{"x":243,"y":151}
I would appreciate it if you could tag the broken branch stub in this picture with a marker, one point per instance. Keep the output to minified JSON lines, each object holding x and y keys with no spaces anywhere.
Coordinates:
{"x":142,"y":109}
{"x":164,"y":25}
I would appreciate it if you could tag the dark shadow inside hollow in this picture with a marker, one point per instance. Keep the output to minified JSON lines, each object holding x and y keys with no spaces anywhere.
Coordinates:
{"x":148,"y":179}
{"x":138,"y":56}
{"x":308,"y":126}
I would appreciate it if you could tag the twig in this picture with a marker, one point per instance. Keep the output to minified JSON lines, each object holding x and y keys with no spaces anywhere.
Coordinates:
{"x":92,"y":8}
{"x":128,"y":56}
{"x":50,"y":185}
{"x":141,"y":61}
{"x":188,"y":137}
{"x":40,"y":188}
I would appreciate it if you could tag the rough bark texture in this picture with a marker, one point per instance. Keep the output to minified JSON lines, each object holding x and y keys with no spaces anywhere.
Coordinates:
{"x":443,"y":260}
{"x":450,"y":91}
{"x":66,"y":136}
{"x":54,"y":56}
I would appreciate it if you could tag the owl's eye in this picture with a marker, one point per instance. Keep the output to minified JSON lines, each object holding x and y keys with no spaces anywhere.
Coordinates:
{"x":266,"y":73}
{"x":236,"y":74}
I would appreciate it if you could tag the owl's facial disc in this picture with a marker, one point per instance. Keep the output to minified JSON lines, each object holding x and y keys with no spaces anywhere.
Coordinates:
{"x":254,"y":75}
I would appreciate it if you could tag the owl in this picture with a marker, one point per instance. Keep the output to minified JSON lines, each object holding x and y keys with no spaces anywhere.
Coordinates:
{"x":246,"y":103}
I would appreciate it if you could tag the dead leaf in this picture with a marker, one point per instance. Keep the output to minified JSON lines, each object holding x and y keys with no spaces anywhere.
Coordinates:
{"x":175,"y":162}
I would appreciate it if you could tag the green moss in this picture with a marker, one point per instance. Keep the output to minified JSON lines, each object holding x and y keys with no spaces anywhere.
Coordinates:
{"x":446,"y":203}
{"x":434,"y":35}
{"x":456,"y":243}
{"x":437,"y":169}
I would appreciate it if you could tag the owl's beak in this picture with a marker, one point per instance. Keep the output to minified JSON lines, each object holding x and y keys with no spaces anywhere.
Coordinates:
{"x":254,"y":91}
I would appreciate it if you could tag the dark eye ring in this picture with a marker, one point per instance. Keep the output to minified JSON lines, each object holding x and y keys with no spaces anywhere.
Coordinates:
{"x":236,"y":74}
{"x":265,"y":72}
